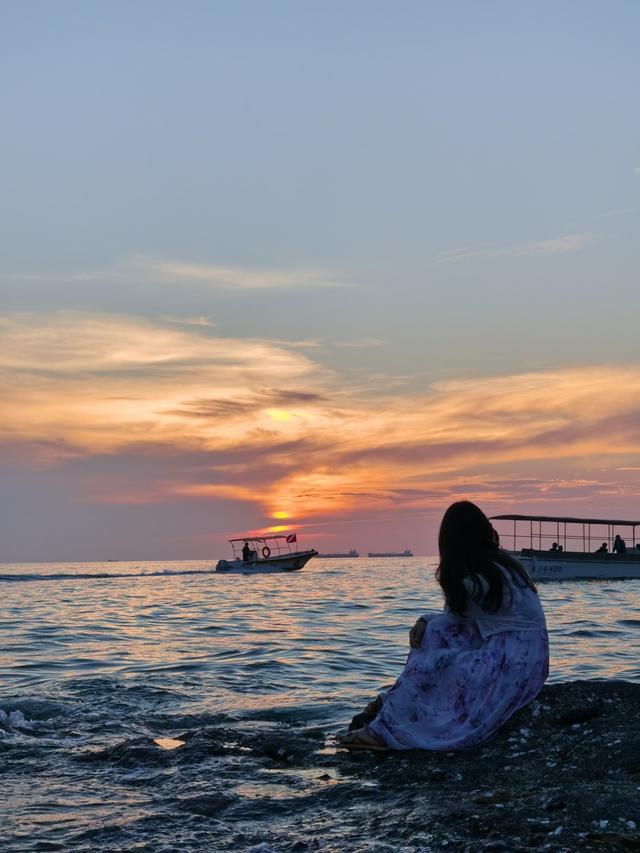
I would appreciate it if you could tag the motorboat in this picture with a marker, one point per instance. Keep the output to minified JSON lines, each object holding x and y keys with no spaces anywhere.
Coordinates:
{"x":262,"y":554}
{"x":567,"y":548}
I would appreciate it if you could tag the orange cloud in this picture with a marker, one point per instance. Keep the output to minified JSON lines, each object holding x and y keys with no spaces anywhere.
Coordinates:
{"x":295,"y":438}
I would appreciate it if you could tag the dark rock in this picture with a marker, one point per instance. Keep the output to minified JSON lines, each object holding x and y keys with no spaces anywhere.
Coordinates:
{"x":131,"y":753}
{"x":628,"y":754}
{"x":285,"y":750}
{"x":612,"y":841}
{"x":573,"y":716}
{"x":314,"y":734}
{"x":207,"y":804}
{"x":555,"y":804}
{"x":562,"y":775}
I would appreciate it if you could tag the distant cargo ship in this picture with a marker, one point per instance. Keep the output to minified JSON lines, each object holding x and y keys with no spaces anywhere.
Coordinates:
{"x":336,"y":554}
{"x":405,"y":553}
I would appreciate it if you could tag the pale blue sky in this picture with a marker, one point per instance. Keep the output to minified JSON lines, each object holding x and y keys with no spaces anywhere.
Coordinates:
{"x":367,"y":139}
{"x":417,"y":191}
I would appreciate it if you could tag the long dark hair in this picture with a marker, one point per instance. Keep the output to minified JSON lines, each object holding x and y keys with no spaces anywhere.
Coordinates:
{"x":468,"y":548}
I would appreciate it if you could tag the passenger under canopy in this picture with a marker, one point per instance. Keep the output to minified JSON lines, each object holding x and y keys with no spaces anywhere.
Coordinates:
{"x":539,"y":537}
{"x":278,"y":544}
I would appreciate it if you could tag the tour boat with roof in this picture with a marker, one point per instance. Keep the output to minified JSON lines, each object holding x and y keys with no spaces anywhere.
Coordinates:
{"x":567,"y":548}
{"x":262,"y":554}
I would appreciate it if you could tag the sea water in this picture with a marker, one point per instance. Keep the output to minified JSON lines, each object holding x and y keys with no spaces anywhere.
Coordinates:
{"x":107,"y":668}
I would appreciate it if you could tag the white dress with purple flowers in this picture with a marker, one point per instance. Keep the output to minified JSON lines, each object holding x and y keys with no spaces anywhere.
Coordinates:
{"x":469,"y":676}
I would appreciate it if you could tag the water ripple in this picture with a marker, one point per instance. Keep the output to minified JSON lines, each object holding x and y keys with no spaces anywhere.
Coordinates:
{"x":100,"y":663}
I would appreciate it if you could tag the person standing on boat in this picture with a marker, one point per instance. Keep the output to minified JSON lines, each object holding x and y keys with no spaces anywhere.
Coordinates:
{"x":619,"y":545}
{"x":247,"y":553}
{"x":472,"y":666}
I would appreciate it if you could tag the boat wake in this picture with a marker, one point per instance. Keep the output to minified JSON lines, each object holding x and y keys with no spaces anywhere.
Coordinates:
{"x":65,"y":576}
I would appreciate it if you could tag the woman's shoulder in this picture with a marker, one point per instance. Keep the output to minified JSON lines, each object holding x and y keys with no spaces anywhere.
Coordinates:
{"x":475,"y":583}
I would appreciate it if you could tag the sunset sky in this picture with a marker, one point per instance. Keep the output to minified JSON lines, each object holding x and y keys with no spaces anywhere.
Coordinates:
{"x":320,"y":266}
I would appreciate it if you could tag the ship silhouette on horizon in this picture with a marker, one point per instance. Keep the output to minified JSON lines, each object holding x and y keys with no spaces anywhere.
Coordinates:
{"x":406,"y":553}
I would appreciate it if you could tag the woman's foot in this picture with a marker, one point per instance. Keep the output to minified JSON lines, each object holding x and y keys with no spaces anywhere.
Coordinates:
{"x":361,"y":739}
{"x":374,"y":706}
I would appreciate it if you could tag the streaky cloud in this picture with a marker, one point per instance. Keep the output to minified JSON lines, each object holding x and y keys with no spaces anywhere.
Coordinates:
{"x":557,"y":245}
{"x":145,"y":270}
{"x":190,"y":321}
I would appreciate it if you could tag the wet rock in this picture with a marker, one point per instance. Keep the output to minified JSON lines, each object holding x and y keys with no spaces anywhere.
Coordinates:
{"x":565,"y":760}
{"x":208,"y":805}
{"x":630,"y":757}
{"x":555,"y":804}
{"x":286,"y":750}
{"x":314,"y":734}
{"x":576,"y":716}
{"x":562,"y":775}
{"x":208,"y":741}
{"x":611,"y":841}
{"x":130,"y":753}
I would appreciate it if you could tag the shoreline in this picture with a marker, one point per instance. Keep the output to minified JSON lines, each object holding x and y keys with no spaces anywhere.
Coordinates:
{"x":562,"y":775}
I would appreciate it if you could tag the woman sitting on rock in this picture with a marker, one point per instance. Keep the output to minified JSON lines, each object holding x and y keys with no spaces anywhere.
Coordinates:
{"x":472,"y":666}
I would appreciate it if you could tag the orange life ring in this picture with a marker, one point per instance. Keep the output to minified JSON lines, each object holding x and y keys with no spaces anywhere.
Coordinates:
{"x":266,"y":552}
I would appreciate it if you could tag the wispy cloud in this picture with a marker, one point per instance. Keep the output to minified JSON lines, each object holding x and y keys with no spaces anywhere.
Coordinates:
{"x":143,"y":269}
{"x":623,"y":211}
{"x":362,"y":343}
{"x":557,"y":245}
{"x":234,"y":278}
{"x":189,"y":321}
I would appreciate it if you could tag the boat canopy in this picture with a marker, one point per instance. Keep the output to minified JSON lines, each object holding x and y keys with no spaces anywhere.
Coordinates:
{"x":565,"y":520}
{"x":541,"y":534}
{"x":263,"y":538}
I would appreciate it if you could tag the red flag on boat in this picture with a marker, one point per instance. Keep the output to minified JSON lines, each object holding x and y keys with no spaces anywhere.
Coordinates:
{"x":292,"y":538}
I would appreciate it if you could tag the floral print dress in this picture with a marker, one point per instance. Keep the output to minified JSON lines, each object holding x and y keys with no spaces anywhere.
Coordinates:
{"x":462,"y":685}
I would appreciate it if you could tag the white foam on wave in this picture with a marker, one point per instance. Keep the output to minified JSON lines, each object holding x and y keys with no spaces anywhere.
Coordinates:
{"x":15,"y":720}
{"x":15,"y":728}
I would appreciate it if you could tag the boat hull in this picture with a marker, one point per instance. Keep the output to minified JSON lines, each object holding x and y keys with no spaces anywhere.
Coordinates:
{"x":546,"y":565}
{"x":286,"y":563}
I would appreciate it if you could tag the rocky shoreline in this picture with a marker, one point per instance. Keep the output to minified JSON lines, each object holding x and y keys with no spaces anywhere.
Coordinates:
{"x":563,"y":775}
